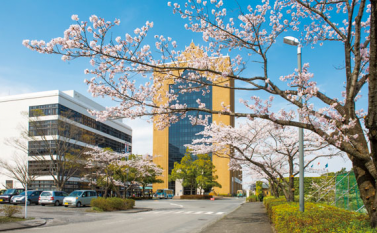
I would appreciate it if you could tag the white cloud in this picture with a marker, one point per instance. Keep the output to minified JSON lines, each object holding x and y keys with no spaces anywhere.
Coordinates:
{"x":142,"y":136}
{"x":8,"y":88}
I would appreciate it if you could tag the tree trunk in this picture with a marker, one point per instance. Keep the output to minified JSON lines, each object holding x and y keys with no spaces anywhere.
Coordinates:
{"x":125,"y":191}
{"x":273,"y":188}
{"x":366,"y":182}
{"x":276,"y":191}
{"x":59,"y":188}
{"x":116,"y":189}
{"x":291,"y":187}
{"x":367,"y":188}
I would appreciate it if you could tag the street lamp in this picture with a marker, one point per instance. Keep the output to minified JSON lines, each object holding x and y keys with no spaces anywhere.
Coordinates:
{"x":295,"y":42}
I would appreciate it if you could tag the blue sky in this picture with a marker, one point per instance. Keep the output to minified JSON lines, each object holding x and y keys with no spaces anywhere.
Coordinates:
{"x":23,"y":70}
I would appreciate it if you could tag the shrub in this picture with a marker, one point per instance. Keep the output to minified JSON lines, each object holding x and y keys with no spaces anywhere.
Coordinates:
{"x":251,"y":198}
{"x":225,"y":195}
{"x":111,"y":204}
{"x":287,"y":218}
{"x":269,"y":202}
{"x":196,"y":196}
{"x":10,"y":210}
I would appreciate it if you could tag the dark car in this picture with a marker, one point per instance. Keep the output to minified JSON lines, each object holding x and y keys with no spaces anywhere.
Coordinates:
{"x":32,"y":197}
{"x":7,"y":195}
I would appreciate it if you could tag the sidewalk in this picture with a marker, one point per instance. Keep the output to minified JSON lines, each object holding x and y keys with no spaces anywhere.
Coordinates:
{"x":22,"y":224}
{"x":249,"y":217}
{"x":39,"y":222}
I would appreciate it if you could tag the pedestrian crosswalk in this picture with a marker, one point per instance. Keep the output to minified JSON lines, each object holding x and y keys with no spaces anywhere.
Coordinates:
{"x":183,"y":212}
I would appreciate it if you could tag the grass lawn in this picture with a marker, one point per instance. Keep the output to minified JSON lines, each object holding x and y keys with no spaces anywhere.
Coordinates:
{"x":4,"y":219}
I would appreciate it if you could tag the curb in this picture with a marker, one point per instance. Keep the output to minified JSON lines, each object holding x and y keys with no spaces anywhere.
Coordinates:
{"x":131,"y":211}
{"x":137,"y":210}
{"x":22,"y":224}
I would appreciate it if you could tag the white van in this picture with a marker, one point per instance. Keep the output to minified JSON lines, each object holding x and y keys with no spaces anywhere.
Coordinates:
{"x":79,"y":198}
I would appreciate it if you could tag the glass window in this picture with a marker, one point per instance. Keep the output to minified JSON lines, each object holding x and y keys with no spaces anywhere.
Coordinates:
{"x":58,"y":109}
{"x":183,"y":132}
{"x":46,"y":194}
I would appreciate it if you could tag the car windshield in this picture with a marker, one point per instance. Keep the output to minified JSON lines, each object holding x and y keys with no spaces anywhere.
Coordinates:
{"x":10,"y":191}
{"x":23,"y":193}
{"x":46,"y":194}
{"x":75,"y":194}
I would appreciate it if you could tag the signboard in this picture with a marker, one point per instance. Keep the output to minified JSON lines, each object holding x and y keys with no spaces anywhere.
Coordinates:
{"x":318,"y":171}
{"x":235,"y":179}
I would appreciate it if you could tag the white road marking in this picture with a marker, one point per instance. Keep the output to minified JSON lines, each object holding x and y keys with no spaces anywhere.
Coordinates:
{"x":176,"y":205}
{"x":184,"y":212}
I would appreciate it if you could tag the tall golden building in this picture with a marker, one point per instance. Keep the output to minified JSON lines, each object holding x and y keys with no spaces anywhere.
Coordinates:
{"x":169,"y":143}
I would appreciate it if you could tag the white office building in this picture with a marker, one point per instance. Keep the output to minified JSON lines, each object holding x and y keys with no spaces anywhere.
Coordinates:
{"x":16,"y":112}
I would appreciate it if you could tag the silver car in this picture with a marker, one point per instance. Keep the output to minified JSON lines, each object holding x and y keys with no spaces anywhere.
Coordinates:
{"x":79,"y":198}
{"x":52,"y":198}
{"x":32,"y":197}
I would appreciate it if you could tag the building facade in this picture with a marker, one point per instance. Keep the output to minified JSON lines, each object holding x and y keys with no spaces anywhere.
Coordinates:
{"x":168,"y":144}
{"x":54,"y":120}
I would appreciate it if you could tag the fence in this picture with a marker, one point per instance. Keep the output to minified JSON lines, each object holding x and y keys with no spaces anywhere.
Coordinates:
{"x":347,"y":195}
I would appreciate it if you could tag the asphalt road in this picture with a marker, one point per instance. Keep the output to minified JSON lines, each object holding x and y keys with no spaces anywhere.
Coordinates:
{"x":167,"y":216}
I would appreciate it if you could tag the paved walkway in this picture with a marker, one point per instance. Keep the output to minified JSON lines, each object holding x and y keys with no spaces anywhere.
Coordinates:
{"x":249,"y":217}
{"x":22,"y":224}
{"x":40,"y":221}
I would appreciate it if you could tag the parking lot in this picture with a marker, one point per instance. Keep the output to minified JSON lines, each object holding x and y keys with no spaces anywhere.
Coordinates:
{"x":59,"y":215}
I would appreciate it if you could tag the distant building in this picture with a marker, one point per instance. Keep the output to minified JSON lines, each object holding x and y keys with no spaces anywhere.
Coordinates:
{"x":112,"y":133}
{"x":265,"y":189}
{"x":169,"y":143}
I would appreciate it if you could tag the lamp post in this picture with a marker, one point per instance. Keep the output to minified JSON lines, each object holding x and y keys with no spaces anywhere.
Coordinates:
{"x":294,"y":41}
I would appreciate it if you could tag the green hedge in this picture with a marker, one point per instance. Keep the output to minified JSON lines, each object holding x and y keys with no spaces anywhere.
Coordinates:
{"x":111,"y":204}
{"x":224,"y":195}
{"x":287,"y":218}
{"x":196,"y":196}
{"x":269,"y":202}
{"x":252,"y":198}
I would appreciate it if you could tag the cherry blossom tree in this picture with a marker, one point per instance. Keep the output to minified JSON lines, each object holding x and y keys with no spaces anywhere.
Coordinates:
{"x":101,"y":165}
{"x":137,"y":169}
{"x":254,"y":30}
{"x":110,"y":169}
{"x":267,"y":150}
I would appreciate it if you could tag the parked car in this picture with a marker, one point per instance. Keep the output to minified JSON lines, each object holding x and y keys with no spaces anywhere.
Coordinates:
{"x":32,"y":197}
{"x":52,"y":197}
{"x":7,"y":195}
{"x":2,"y":191}
{"x":79,"y":198}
